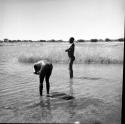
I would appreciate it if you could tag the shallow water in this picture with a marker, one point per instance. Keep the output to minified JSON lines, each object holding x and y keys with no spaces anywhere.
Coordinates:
{"x":96,"y":88}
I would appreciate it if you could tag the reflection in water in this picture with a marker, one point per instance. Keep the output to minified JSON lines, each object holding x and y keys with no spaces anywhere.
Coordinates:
{"x":45,"y":109}
{"x":71,"y":87}
{"x":72,"y":103}
{"x":72,"y":108}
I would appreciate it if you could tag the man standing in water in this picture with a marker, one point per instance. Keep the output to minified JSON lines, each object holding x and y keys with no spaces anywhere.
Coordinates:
{"x":44,"y":69}
{"x":70,"y":51}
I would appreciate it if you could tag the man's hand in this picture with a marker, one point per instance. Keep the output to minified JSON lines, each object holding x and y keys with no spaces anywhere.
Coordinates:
{"x":36,"y":72}
{"x":66,"y":50}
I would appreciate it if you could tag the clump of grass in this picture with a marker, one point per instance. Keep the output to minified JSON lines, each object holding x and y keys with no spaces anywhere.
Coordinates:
{"x":29,"y":59}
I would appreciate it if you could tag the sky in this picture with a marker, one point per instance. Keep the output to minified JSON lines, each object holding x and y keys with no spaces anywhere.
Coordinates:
{"x":61,"y":19}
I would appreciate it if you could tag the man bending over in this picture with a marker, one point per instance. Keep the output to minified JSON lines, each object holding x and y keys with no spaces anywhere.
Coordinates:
{"x":44,"y":69}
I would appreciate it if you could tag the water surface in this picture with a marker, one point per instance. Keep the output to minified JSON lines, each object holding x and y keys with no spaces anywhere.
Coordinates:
{"x":96,"y":88}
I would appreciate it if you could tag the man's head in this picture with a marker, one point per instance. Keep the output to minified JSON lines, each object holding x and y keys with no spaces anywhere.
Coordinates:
{"x":71,"y":40}
{"x":37,"y":68}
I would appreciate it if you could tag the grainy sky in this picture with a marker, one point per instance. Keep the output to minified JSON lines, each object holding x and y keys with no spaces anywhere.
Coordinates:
{"x":61,"y":19}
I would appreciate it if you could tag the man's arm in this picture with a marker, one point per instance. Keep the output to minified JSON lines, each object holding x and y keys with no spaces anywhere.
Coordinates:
{"x":39,"y":65}
{"x":70,"y":48}
{"x":66,"y":50}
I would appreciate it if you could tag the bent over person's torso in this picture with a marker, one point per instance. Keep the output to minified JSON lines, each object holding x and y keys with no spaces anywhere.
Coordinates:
{"x":38,"y":66}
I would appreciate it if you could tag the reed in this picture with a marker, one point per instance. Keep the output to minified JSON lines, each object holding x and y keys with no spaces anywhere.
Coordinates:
{"x":83,"y":54}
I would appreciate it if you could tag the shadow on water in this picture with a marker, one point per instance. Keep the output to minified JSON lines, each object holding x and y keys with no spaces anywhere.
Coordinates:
{"x":88,"y":78}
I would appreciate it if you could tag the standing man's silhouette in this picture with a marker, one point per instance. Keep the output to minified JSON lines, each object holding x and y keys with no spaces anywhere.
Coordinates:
{"x":44,"y":69}
{"x":70,"y":51}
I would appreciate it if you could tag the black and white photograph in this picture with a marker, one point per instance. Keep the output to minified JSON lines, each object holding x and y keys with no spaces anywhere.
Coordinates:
{"x":61,"y":61}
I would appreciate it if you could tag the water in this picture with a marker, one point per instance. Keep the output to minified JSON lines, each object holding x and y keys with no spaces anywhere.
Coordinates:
{"x":97,"y":88}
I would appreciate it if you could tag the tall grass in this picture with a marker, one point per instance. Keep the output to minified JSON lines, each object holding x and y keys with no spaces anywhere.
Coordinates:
{"x":84,"y":53}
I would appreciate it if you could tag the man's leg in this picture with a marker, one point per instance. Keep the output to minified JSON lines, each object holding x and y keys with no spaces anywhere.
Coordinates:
{"x":41,"y":76}
{"x":71,"y":68}
{"x":48,"y":73}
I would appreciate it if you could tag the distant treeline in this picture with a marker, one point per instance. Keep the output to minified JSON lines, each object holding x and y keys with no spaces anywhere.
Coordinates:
{"x":79,"y":40}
